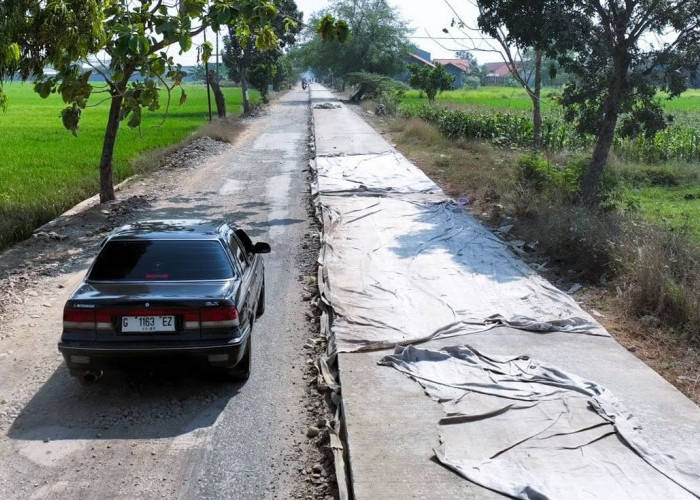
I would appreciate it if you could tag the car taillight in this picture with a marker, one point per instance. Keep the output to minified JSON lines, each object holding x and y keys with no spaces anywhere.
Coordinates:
{"x":86,"y":319}
{"x":219,"y":317}
{"x":78,"y":318}
{"x":191,"y":320}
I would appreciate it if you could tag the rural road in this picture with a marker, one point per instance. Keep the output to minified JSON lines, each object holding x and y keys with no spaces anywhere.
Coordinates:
{"x":171,"y":433}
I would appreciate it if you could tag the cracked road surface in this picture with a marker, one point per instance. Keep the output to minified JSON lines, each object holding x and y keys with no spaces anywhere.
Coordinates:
{"x":168,"y":433}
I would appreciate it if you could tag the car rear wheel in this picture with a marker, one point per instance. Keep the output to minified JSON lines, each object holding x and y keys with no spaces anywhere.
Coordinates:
{"x":242,"y":370}
{"x":261,"y":301}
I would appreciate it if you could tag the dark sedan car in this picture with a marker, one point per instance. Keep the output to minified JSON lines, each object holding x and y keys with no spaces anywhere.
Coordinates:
{"x":166,"y":290}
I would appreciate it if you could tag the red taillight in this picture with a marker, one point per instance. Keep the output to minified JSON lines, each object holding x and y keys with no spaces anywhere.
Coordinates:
{"x":219,"y":317}
{"x":78,"y":318}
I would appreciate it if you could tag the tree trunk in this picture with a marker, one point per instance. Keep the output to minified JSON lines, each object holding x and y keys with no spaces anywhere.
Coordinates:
{"x":218,"y":95}
{"x":265,"y":95}
{"x":357,"y":97}
{"x":589,"y":187}
{"x":611,"y":110}
{"x":106,"y":169}
{"x":537,"y":102}
{"x":244,"y":90}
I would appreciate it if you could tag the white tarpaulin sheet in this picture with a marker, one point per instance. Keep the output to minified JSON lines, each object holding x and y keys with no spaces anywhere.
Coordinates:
{"x":401,"y":263}
{"x":530,"y":430}
{"x":338,"y":174}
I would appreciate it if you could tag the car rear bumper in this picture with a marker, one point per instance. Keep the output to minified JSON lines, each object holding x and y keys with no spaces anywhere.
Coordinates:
{"x":84,"y":356}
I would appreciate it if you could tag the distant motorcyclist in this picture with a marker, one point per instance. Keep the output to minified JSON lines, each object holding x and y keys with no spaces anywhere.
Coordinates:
{"x":304,"y":83}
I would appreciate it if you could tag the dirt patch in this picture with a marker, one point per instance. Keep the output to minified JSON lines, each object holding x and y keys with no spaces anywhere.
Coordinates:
{"x":317,"y":472}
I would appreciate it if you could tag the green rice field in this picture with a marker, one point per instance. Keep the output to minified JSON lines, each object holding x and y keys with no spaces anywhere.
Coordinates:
{"x":676,"y":205}
{"x":44,"y":169}
{"x":515,"y":99}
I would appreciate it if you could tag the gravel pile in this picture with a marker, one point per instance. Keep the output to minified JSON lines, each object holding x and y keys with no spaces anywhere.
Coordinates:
{"x":195,"y":153}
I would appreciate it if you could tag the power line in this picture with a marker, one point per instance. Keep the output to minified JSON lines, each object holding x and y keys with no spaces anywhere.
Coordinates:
{"x":450,"y":38}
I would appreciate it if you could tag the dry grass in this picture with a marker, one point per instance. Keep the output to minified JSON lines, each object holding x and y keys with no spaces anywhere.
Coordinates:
{"x":463,"y":169}
{"x":662,"y":278}
{"x":666,"y":353}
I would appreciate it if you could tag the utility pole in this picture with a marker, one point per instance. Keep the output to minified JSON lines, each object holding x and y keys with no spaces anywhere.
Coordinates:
{"x":206,"y":78}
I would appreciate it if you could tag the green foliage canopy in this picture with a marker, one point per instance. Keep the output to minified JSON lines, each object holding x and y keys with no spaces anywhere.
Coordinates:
{"x":430,"y":80}
{"x":607,"y":47}
{"x":371,"y":38}
{"x":246,"y":62}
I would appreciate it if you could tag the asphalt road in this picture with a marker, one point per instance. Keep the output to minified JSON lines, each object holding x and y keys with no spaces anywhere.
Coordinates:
{"x":171,"y":432}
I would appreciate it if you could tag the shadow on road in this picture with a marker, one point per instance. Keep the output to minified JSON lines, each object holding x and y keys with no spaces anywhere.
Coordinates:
{"x":134,"y":404}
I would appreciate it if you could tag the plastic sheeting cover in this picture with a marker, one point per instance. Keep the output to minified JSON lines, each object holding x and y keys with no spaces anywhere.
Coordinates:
{"x":345,"y":174}
{"x":411,"y":266}
{"x":530,"y":430}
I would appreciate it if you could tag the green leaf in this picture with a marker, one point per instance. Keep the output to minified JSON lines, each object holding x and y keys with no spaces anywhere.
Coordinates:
{"x":185,"y":43}
{"x":290,"y":24}
{"x":135,"y":119}
{"x":207,"y":51}
{"x":12,"y":53}
{"x":266,"y":39}
{"x":156,"y":67}
{"x":342,"y":31}
{"x":325,"y":27}
{"x":70,"y":117}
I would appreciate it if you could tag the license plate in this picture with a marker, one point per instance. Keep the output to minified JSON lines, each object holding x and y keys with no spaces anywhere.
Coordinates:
{"x":148,"y":323}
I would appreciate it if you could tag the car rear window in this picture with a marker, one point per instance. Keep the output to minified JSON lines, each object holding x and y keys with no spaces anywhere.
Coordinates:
{"x":161,"y":260}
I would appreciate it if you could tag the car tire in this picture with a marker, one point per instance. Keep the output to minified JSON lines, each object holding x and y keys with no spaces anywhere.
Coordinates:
{"x":261,"y":301}
{"x":242,"y":370}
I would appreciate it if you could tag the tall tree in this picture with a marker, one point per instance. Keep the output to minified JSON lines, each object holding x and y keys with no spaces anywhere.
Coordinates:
{"x":620,"y":52}
{"x":377,"y":40}
{"x":619,"y":70}
{"x":241,"y":53}
{"x":503,"y":21}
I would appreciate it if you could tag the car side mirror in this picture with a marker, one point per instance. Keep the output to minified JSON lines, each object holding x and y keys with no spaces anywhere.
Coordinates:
{"x":261,"y":247}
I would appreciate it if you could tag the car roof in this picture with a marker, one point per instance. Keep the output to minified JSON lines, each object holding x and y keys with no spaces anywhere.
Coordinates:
{"x":168,"y":229}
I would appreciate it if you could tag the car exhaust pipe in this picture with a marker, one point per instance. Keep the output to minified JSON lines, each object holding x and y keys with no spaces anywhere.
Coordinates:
{"x":91,"y":376}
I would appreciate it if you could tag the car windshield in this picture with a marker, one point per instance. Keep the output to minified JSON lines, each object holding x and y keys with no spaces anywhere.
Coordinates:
{"x":161,"y":260}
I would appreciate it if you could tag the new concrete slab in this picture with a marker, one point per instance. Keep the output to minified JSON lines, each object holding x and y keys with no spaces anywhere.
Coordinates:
{"x":392,"y":425}
{"x":339,"y":131}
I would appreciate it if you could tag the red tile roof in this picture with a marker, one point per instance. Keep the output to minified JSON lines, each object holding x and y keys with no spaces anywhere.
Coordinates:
{"x":421,"y":60}
{"x":462,"y":64}
{"x":497,"y":68}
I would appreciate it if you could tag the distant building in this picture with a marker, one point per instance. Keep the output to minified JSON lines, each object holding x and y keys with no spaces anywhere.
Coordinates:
{"x":456,"y":67}
{"x":498,"y":73}
{"x":417,"y":56}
